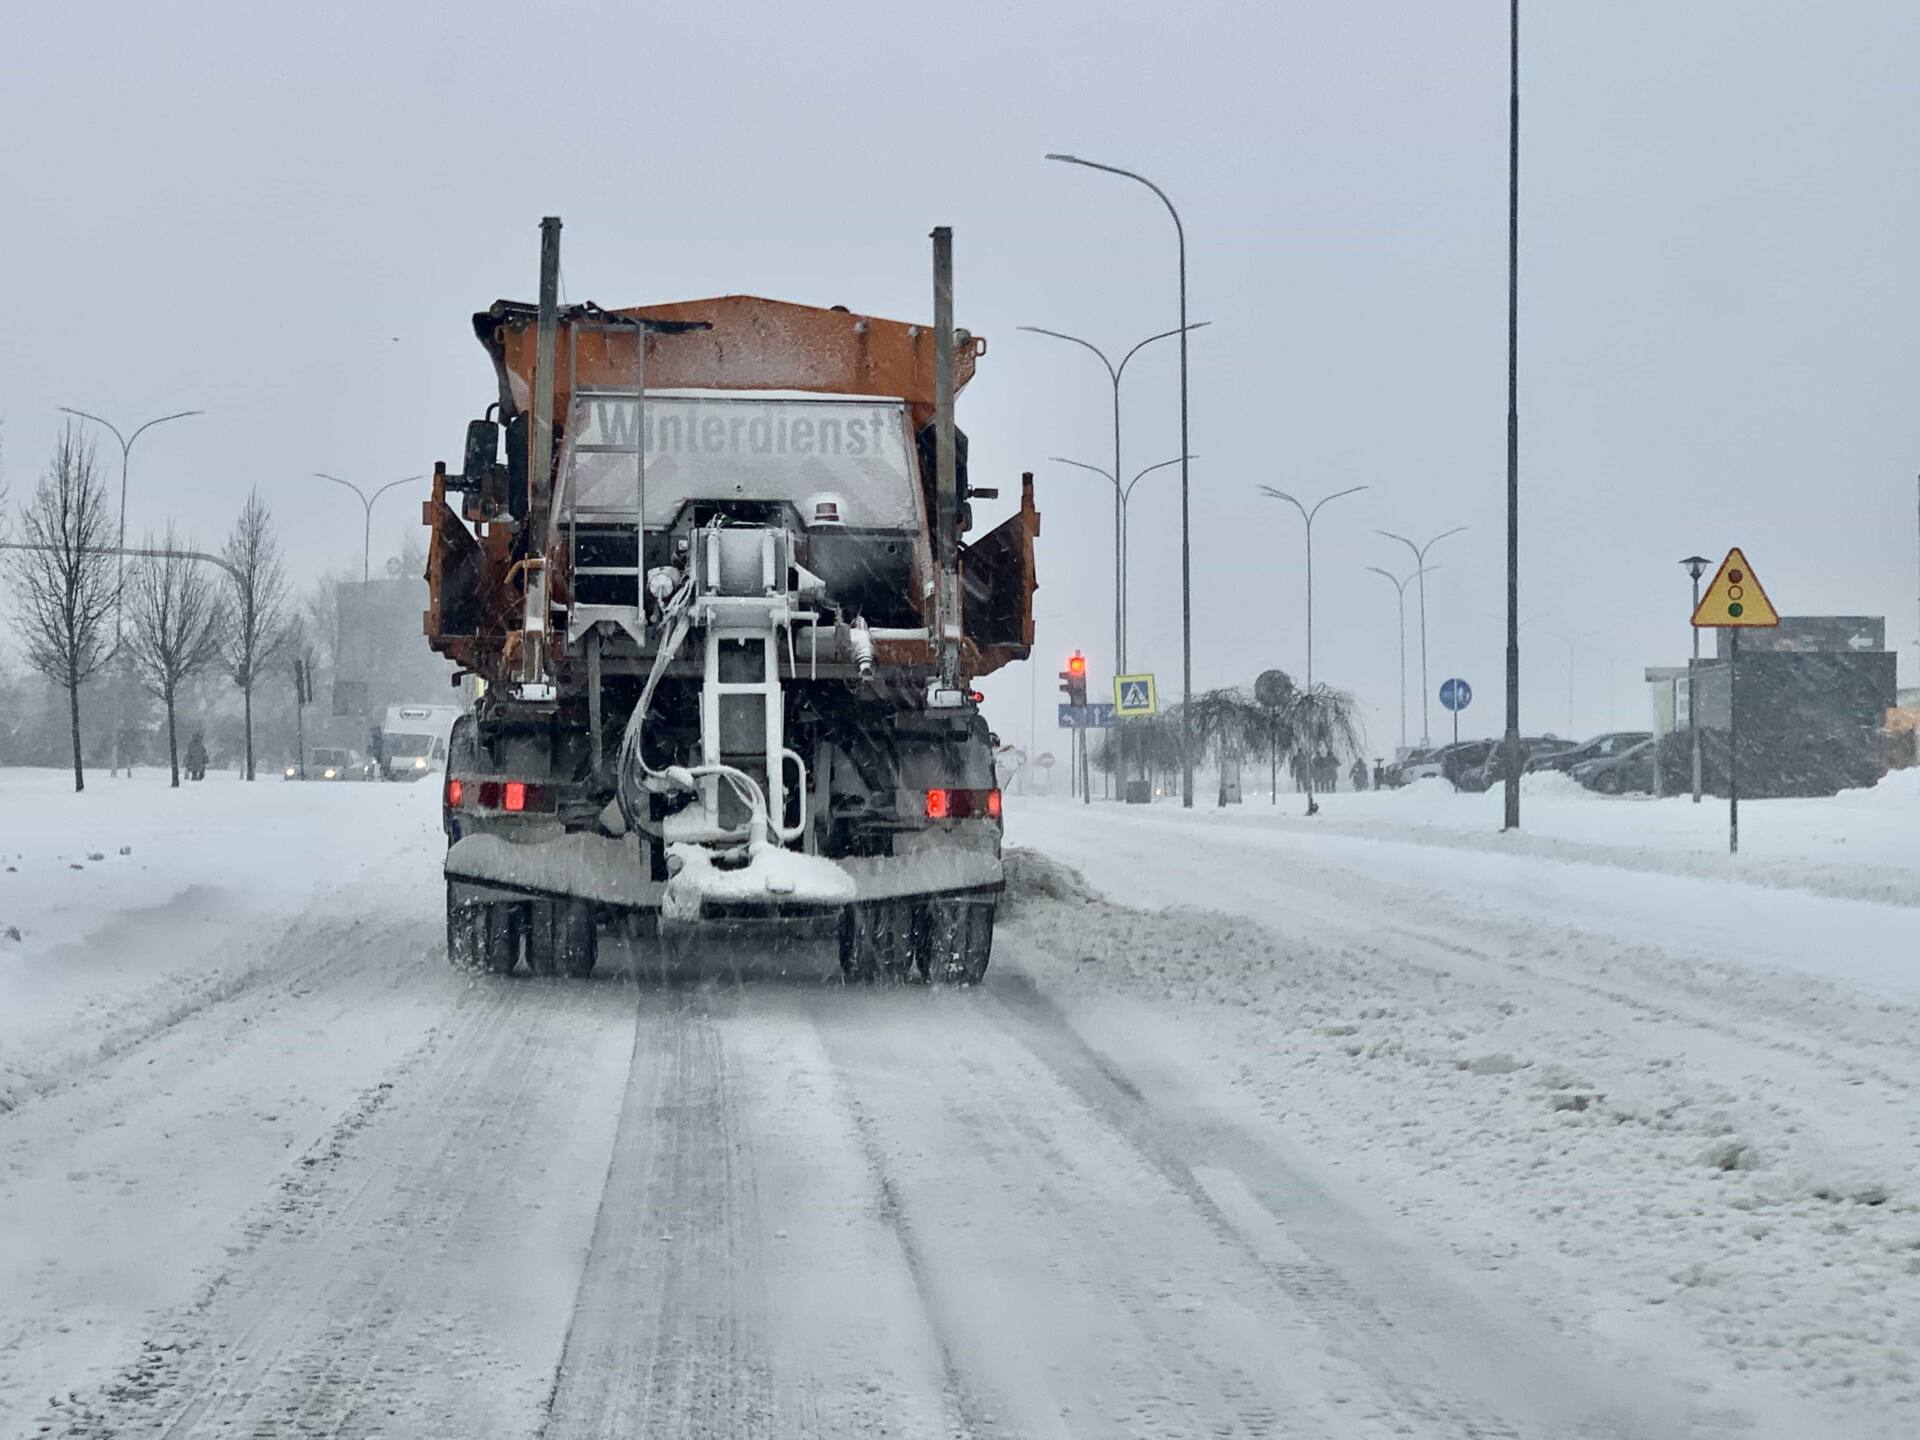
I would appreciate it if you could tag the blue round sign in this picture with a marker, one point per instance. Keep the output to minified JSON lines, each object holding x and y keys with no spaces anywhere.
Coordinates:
{"x":1456,"y":694}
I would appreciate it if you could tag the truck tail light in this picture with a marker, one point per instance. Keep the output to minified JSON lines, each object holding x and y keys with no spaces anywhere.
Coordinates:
{"x":456,"y":791}
{"x":946,"y":804}
{"x":514,"y":795}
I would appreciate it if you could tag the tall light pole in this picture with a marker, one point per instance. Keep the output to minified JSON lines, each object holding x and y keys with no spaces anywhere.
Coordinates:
{"x":1572,"y":642}
{"x":1186,"y":452}
{"x":1400,"y":590}
{"x":1512,"y":815}
{"x":1420,"y":569}
{"x":1696,"y":566}
{"x":1123,"y":498}
{"x":1114,"y":372}
{"x":120,"y":575}
{"x":366,"y":502}
{"x":1313,"y":807}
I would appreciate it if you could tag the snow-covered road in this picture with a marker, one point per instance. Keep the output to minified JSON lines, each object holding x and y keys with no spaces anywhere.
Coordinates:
{"x":1252,"y":1131}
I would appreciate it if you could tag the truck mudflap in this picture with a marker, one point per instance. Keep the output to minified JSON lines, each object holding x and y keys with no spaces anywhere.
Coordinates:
{"x":611,"y":871}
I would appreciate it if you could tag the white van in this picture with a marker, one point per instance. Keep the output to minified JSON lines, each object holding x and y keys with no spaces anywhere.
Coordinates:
{"x":413,"y":740}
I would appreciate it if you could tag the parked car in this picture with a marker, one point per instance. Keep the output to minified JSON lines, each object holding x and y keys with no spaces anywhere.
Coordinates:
{"x":336,"y":763}
{"x":1626,"y":771}
{"x":1396,"y":772}
{"x":1598,"y":748}
{"x":1491,"y":770}
{"x":1451,"y":762}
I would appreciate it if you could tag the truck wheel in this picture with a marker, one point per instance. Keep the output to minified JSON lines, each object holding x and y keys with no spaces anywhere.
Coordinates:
{"x":543,"y":951}
{"x":481,"y":936}
{"x":959,"y":940}
{"x":576,"y":938}
{"x":862,"y":942}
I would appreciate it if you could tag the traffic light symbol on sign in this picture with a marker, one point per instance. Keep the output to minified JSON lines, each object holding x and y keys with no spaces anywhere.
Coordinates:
{"x":1735,"y":598}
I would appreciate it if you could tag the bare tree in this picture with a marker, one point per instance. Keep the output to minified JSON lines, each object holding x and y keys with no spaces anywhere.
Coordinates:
{"x":67,"y":589}
{"x":257,"y":585}
{"x":173,"y":607}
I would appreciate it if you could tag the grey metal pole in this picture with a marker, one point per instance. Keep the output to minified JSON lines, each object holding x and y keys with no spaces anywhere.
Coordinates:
{"x":120,"y":574}
{"x":1420,"y":572}
{"x":1512,"y":816}
{"x":1186,"y":451}
{"x":1696,"y":566}
{"x":1307,"y":515}
{"x":366,"y":505}
{"x":1733,"y":742}
{"x":1400,"y":593}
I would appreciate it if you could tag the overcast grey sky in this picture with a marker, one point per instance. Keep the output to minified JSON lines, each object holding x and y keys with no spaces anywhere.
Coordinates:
{"x":285,"y":216}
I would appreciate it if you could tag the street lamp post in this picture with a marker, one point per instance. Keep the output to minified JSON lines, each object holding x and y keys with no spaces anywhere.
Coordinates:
{"x":120,"y":576}
{"x":1512,"y":797}
{"x":1114,"y":372}
{"x":1696,"y":566}
{"x":1186,"y":452}
{"x":1313,"y":807}
{"x":1420,"y":569}
{"x":1572,"y":643}
{"x":1400,"y":590}
{"x":1122,"y":499}
{"x":366,"y":502}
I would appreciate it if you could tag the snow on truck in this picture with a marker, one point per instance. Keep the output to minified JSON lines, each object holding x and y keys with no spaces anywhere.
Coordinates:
{"x":714,"y":584}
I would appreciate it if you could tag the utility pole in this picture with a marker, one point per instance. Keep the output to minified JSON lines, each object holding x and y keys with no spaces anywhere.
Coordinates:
{"x":1696,"y":567}
{"x":120,"y":575}
{"x":1420,"y":570}
{"x":366,"y":504}
{"x":1512,"y":817}
{"x":1400,"y":591}
{"x":1186,"y":454}
{"x":1313,"y":753}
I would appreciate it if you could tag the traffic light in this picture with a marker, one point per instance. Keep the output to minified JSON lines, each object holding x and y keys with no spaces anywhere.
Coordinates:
{"x":1073,"y":679}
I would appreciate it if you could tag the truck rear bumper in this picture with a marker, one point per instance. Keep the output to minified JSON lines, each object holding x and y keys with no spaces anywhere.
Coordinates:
{"x":609,"y":871}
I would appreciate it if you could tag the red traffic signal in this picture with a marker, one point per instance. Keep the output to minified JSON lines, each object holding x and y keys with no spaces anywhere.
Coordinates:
{"x":1073,"y":679}
{"x":1077,"y":665}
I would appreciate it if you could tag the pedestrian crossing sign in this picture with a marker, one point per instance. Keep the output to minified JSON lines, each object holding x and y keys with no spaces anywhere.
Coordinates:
{"x":1135,"y":695}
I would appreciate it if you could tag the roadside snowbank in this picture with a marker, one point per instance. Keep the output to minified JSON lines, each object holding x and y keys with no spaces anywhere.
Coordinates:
{"x":125,"y":902}
{"x":1684,"y":1160}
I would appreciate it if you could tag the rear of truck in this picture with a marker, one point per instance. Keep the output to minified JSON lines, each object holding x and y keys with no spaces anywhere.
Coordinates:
{"x":697,"y":563}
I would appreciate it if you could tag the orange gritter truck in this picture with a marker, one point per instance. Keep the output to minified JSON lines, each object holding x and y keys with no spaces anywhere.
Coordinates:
{"x":708,"y":561}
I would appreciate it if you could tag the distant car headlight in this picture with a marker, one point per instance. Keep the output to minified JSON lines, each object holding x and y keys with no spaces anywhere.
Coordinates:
{"x":328,"y":773}
{"x":289,"y":772}
{"x":420,"y":763}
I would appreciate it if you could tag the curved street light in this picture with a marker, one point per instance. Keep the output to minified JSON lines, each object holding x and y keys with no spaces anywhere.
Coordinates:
{"x":366,"y":501}
{"x":1400,"y":589}
{"x":1313,"y":807}
{"x":120,"y":575}
{"x":1186,"y":449}
{"x":1420,"y":562}
{"x":1114,"y":372}
{"x":1123,"y":497}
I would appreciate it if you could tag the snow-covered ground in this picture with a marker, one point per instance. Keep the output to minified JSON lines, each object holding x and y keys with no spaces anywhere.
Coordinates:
{"x":131,"y":901}
{"x":1671,"y":1107}
{"x":1375,"y":1125}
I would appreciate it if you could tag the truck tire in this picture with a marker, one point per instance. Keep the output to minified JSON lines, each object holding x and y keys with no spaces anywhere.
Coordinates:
{"x":482,"y":937}
{"x":576,"y":938}
{"x":956,"y":940}
{"x":877,"y":939}
{"x":561,"y":939}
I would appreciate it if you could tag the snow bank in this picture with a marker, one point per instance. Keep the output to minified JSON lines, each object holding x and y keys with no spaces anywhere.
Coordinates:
{"x":121,"y":902}
{"x":1690,"y":1161}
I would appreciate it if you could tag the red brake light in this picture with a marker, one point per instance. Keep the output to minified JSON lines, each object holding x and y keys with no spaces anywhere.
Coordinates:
{"x":455,"y":792}
{"x":939,"y":804}
{"x":515,"y":795}
{"x":993,"y":804}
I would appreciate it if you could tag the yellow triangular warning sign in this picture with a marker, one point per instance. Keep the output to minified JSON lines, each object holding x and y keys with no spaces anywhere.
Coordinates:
{"x":1735,"y":597}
